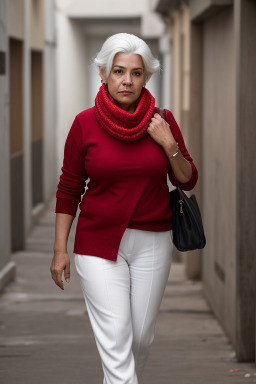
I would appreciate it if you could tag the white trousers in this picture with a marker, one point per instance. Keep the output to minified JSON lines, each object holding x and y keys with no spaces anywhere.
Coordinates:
{"x":123,"y":298}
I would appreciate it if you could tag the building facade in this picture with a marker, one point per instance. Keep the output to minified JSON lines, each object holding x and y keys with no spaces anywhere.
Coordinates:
{"x":207,"y":51}
{"x":28,"y":103}
{"x":213,"y":80}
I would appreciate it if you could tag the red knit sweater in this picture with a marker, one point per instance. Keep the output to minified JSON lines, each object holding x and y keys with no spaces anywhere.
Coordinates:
{"x":127,"y":188}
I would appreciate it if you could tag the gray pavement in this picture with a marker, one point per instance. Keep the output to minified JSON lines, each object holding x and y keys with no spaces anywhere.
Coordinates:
{"x":46,"y":337}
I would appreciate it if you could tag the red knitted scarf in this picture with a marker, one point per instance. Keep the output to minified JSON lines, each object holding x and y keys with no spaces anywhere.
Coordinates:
{"x":119,"y":123}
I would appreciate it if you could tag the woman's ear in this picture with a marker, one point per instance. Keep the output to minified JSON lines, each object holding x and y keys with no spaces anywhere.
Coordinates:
{"x":103,"y":75}
{"x":147,"y":77}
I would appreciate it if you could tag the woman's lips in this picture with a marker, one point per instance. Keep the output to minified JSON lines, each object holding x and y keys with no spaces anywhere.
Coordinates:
{"x":125,"y":92}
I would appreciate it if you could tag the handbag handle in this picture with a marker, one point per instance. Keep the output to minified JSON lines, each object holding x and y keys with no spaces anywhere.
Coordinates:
{"x":163,"y":115}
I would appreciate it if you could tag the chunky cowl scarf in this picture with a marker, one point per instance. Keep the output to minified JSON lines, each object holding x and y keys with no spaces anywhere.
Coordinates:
{"x":119,"y":123}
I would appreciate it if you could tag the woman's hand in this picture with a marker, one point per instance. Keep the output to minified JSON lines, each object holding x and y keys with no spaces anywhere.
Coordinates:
{"x":160,"y":131}
{"x":60,"y":263}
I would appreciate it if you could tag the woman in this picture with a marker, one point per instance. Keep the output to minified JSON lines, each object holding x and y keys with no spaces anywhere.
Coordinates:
{"x":123,"y":244}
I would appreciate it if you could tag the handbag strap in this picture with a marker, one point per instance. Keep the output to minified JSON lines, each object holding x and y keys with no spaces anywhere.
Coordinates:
{"x":163,"y":115}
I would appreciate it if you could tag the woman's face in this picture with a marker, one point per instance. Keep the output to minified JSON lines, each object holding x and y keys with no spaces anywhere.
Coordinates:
{"x":126,"y":80}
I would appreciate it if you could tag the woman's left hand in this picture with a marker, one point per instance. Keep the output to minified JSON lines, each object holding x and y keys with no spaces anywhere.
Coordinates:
{"x":160,"y":131}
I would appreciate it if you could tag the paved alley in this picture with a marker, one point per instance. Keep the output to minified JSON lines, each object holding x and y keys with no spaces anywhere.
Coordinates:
{"x":46,"y":336}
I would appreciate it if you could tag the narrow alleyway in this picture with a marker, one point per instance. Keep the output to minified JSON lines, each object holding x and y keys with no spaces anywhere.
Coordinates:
{"x":46,"y":337}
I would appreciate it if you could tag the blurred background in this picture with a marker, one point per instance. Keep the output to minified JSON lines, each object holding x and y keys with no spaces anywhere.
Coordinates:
{"x":207,"y":50}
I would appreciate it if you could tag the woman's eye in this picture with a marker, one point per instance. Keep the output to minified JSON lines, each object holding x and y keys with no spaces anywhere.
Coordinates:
{"x":137,"y":73}
{"x":118,"y":71}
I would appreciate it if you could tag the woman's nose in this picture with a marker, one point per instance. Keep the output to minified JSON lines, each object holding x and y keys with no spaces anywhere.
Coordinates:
{"x":127,"y":79}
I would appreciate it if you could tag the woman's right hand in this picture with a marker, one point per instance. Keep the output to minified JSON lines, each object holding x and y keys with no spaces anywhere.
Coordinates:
{"x":60,"y":263}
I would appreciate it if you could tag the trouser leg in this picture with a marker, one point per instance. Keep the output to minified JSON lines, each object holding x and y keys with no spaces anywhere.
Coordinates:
{"x":106,"y":289}
{"x":123,"y":300}
{"x":149,"y":271}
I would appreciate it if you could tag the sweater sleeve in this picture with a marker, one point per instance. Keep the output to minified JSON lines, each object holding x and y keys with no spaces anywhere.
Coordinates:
{"x":179,"y":139}
{"x":72,"y":181}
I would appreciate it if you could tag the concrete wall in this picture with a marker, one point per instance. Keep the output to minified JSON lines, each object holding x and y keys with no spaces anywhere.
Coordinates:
{"x":37,"y":16}
{"x":27,"y":119}
{"x":219,"y":167}
{"x":165,"y":50}
{"x":72,"y":84}
{"x":16,"y":67}
{"x":180,"y":35}
{"x":203,"y":81}
{"x":50,"y":103}
{"x":22,"y":39}
{"x":245,"y":32}
{"x":175,"y":33}
{"x":100,"y":8}
{"x":16,"y":18}
{"x":220,"y":131}
{"x":6,"y":268}
{"x":223,"y":41}
{"x":179,"y":32}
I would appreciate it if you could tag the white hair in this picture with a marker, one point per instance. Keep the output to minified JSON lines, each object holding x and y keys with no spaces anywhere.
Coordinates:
{"x":126,"y":43}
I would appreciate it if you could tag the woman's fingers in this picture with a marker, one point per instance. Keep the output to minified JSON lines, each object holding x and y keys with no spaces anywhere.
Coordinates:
{"x":59,"y":280}
{"x":158,"y":121}
{"x":157,"y":116}
{"x":67,"y":273}
{"x":160,"y":131}
{"x":57,"y":277}
{"x":59,"y":264}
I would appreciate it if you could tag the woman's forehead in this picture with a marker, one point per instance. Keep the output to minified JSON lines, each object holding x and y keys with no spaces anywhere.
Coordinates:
{"x":128,"y":60}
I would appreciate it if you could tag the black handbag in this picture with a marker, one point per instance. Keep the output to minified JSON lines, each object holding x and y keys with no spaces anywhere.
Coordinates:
{"x":187,"y":225}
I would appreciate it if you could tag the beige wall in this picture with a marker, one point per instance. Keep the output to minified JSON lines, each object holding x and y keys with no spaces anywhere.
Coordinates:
{"x":214,"y":154}
{"x":16,"y":96}
{"x":245,"y":33}
{"x":37,"y":24}
{"x":221,"y":133}
{"x":18,"y":38}
{"x":175,"y":32}
{"x":219,"y":166}
{"x":36,"y":95}
{"x":223,"y":108}
{"x":16,"y":19}
{"x":16,"y":30}
{"x":180,"y":39}
{"x":179,"y":32}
